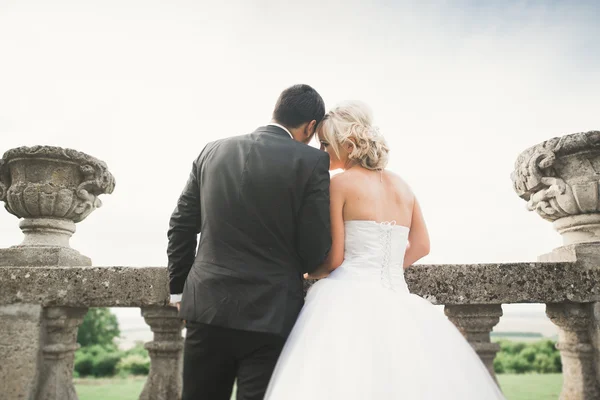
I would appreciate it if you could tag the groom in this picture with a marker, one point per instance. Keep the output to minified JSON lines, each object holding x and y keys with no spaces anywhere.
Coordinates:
{"x":261,"y":205}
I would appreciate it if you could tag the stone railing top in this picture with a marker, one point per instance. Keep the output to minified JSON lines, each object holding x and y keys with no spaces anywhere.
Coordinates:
{"x":539,"y":282}
{"x":84,"y":286}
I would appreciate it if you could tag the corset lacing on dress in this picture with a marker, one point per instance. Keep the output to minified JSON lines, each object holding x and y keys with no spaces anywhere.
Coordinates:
{"x":386,"y":238}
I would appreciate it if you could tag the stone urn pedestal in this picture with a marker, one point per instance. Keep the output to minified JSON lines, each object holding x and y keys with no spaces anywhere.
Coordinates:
{"x":560,"y":179}
{"x":50,"y":189}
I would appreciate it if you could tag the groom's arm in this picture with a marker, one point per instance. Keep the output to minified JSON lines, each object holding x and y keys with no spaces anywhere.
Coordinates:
{"x":184,"y":227}
{"x":314,"y":230}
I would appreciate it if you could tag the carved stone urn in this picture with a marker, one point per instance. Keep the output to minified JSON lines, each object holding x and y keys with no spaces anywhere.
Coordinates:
{"x":51,"y":188}
{"x":559,"y":179}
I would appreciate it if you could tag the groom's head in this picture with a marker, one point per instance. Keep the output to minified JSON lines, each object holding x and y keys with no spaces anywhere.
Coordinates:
{"x":300,"y":109}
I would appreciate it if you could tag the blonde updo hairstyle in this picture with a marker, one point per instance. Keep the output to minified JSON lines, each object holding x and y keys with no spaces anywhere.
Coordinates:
{"x":349,"y":126}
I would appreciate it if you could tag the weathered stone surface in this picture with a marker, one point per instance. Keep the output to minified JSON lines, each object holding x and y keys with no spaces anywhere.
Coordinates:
{"x":595,"y":335}
{"x":52,"y":182}
{"x":19,"y":349}
{"x":499,"y":283}
{"x":84,"y":286}
{"x":579,"y":324}
{"x":166,"y":350}
{"x":441,"y":284}
{"x":576,"y":350}
{"x":556,"y":176}
{"x":585,"y":254}
{"x":475,"y":322}
{"x":51,"y":188}
{"x":60,"y":342}
{"x":20,"y":355}
{"x":47,"y":232}
{"x":559,"y":179}
{"x":584,"y":228}
{"x":42,"y":256}
{"x":504,"y":283}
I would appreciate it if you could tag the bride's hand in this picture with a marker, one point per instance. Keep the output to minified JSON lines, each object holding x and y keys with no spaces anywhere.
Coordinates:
{"x":316,"y":275}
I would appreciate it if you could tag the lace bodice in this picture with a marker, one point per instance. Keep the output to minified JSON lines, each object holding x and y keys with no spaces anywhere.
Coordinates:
{"x":374,"y":254}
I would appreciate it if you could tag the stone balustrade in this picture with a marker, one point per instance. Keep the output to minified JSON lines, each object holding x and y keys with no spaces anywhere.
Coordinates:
{"x":46,"y":286}
{"x":472,"y":295}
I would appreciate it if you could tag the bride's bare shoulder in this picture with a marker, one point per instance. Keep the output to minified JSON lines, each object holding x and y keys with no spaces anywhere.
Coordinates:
{"x":399,"y":182}
{"x":341,"y":181}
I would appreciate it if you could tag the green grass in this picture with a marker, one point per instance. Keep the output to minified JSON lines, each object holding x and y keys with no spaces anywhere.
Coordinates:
{"x":113,"y":389}
{"x":531,"y":386}
{"x":515,"y":387}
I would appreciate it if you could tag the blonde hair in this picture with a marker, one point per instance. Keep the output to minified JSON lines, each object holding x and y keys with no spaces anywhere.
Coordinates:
{"x":350,"y":123}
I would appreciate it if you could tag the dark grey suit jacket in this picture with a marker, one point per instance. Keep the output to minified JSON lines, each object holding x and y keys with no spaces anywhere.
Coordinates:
{"x":261,"y":205}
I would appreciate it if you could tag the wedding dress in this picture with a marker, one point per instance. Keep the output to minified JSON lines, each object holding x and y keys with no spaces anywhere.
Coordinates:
{"x":362,"y":335}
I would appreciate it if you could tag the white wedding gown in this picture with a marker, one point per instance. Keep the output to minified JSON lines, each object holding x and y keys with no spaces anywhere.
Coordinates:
{"x":362,"y":336}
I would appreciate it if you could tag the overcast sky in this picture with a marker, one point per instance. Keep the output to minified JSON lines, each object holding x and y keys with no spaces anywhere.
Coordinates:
{"x":458,"y":88}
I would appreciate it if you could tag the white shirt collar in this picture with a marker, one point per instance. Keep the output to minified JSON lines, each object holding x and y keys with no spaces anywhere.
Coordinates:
{"x":282,"y":127}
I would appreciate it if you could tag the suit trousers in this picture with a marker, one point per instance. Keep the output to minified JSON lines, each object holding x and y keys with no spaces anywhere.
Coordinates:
{"x":214,"y":357}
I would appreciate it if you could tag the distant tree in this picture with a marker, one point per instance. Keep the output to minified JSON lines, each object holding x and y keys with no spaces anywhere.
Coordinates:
{"x":99,"y":327}
{"x":519,"y":357}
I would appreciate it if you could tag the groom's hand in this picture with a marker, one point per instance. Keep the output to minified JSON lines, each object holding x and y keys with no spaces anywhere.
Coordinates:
{"x":178,"y":306}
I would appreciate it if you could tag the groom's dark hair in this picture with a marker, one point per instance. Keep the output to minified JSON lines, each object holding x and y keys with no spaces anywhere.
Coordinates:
{"x":298,"y":104}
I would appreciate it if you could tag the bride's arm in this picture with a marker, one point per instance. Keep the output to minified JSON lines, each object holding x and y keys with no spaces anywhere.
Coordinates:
{"x":336,"y":254}
{"x":418,"y":238}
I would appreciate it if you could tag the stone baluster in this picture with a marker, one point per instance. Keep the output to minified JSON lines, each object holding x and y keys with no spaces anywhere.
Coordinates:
{"x":166,"y":350}
{"x":576,"y":350}
{"x":476,"y":322}
{"x":56,"y":375}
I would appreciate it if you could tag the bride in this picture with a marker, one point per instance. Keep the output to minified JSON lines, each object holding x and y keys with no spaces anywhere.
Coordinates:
{"x":361,"y":334}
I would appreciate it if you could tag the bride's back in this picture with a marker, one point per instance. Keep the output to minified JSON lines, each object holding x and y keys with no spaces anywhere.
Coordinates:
{"x":365,"y":191}
{"x":376,"y":196}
